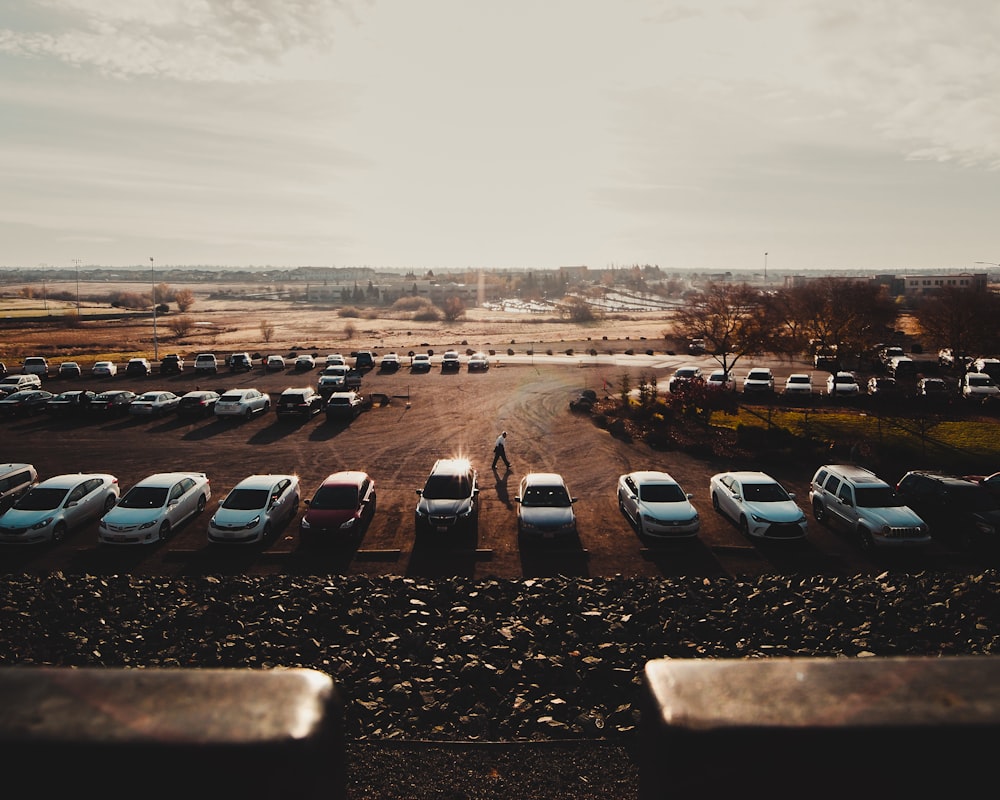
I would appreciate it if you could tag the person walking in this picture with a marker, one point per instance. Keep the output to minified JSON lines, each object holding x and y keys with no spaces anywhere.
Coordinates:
{"x":500,"y":450}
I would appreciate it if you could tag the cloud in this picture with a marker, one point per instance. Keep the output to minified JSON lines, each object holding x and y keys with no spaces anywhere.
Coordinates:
{"x":185,"y":40}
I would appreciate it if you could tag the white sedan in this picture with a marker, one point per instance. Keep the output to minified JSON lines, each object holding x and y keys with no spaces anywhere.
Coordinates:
{"x":154,"y":404}
{"x":150,"y":510}
{"x":255,"y":508}
{"x":242,"y":403}
{"x":758,"y":504}
{"x":50,"y":509}
{"x":842,"y":384}
{"x":656,"y":505}
{"x":798,"y":384}
{"x":720,"y":379}
{"x":104,"y":369}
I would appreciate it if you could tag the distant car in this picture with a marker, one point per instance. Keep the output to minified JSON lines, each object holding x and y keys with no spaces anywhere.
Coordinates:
{"x":274,"y":364}
{"x":104,"y":369}
{"x":720,"y":379}
{"x":656,"y":505}
{"x":16,"y":478}
{"x":305,"y":363}
{"x":243,"y":403}
{"x":342,"y":507}
{"x":882,"y":386}
{"x":759,"y":380}
{"x":25,"y":403}
{"x":478,"y":362}
{"x":113,"y":403}
{"x":336,"y":358}
{"x":684,"y":375}
{"x":696,"y":347}
{"x":171,"y":364}
{"x":758,"y":504}
{"x":979,"y":386}
{"x":76,"y":402}
{"x":299,"y":402}
{"x":332,"y":379}
{"x":198,"y":403}
{"x":17,"y":383}
{"x":154,"y":404}
{"x":254,"y":509}
{"x":151,"y":510}
{"x":946,"y":357}
{"x":206,"y":362}
{"x":798,"y":384}
{"x":364,"y":360}
{"x":52,"y":508}
{"x":449,"y":499}
{"x":421,"y":362}
{"x":240,"y":362}
{"x":842,"y":384}
{"x":544,"y":507}
{"x":36,"y":365}
{"x":935,"y":389}
{"x":389,"y":362}
{"x":450,"y":361}
{"x":344,"y":405}
{"x":584,"y":401}
{"x":138,"y":368}
{"x":991,"y":366}
{"x":69,"y":369}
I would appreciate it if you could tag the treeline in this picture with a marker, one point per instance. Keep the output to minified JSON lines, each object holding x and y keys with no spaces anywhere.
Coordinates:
{"x":164,"y":295}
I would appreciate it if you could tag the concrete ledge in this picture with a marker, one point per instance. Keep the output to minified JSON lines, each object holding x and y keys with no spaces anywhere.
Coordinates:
{"x":808,"y":727}
{"x":118,"y":733}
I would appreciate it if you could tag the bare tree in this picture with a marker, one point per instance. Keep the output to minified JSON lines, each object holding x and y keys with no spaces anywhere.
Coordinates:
{"x":453,"y":308}
{"x":266,"y":330}
{"x":180,"y":326}
{"x":184,"y":299}
{"x":729,"y":318}
{"x":963,"y":319}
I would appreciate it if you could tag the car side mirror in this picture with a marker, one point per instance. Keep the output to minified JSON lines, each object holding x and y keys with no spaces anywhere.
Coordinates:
{"x":517,"y":499}
{"x":420,"y":492}
{"x":689,"y":496}
{"x":573,"y":499}
{"x":308,"y":502}
{"x":791,"y":495}
{"x":737,"y":497}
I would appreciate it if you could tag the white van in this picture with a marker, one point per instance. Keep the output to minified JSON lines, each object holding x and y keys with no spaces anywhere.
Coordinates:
{"x":17,"y":383}
{"x":15,"y":480}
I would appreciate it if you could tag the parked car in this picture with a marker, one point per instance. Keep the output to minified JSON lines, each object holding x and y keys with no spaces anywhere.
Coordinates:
{"x":991,"y":366}
{"x":70,"y":403}
{"x":684,"y":375}
{"x":69,"y":369}
{"x":344,"y":405}
{"x":154,"y":404}
{"x":25,"y":403}
{"x":420,"y":362}
{"x":478,"y":362}
{"x":584,"y":401}
{"x":343,"y":506}
{"x":759,"y":380}
{"x":243,"y":403}
{"x":51,"y":509}
{"x":720,"y":379}
{"x":364,"y":360}
{"x":17,"y":383}
{"x":36,"y":365}
{"x":902,"y":367}
{"x":240,"y":362}
{"x":15,"y":480}
{"x":946,"y":358}
{"x":332,"y":379}
{"x":3,"y":369}
{"x":450,"y":361}
{"x":305,"y":363}
{"x":206,"y":362}
{"x":798,"y":384}
{"x":389,"y":362}
{"x":138,"y":368}
{"x":299,"y":402}
{"x":656,"y":505}
{"x":255,"y":509}
{"x":113,"y":403}
{"x":274,"y":364}
{"x":978,"y":386}
{"x":336,"y":358}
{"x":544,"y":507}
{"x":861,"y":503}
{"x":171,"y":364}
{"x":449,"y":499}
{"x":959,"y":511}
{"x":883,"y":386}
{"x":934,"y":389}
{"x":843,"y":384}
{"x":151,"y":510}
{"x":104,"y":369}
{"x":198,"y":403}
{"x":696,"y":347}
{"x":758,"y":504}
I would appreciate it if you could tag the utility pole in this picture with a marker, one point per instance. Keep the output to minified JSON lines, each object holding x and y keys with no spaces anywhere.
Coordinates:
{"x":765,"y":267}
{"x":77,"y":262}
{"x":152,"y":286}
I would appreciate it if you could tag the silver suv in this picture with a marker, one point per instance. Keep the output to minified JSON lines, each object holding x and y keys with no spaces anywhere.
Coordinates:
{"x":449,"y":499}
{"x":857,"y":500}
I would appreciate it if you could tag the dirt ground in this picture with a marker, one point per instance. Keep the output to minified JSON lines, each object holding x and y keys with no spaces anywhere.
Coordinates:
{"x":427,"y":416}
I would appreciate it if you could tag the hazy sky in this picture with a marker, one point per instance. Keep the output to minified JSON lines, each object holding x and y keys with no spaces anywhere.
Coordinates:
{"x":855,"y":134}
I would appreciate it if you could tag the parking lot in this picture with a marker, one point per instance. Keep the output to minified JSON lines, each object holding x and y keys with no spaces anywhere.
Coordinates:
{"x":419,"y":418}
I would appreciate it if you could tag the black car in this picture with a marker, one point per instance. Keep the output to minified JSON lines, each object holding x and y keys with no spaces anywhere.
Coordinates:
{"x":303,"y":402}
{"x":70,"y":403}
{"x":960,"y":511}
{"x":583,"y":401}
{"x":3,"y":369}
{"x":172,"y":364}
{"x":198,"y":403}
{"x":25,"y":403}
{"x":112,"y":403}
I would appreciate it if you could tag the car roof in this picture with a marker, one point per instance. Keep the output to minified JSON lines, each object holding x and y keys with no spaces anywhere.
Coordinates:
{"x":167,"y":478}
{"x":750,"y":476}
{"x":70,"y":479}
{"x":543,"y":478}
{"x":298,"y":390}
{"x":451,"y":465}
{"x":651,"y":476}
{"x":262,"y":481}
{"x":344,"y":478}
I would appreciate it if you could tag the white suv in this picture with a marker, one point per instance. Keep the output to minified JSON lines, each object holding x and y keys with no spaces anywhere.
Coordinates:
{"x":36,"y":365}
{"x":857,"y":500}
{"x":206,"y":362}
{"x":759,"y":380}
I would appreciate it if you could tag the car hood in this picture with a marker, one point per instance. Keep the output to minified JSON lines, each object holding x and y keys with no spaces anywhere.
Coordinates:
{"x":132,"y":516}
{"x":444,"y":507}
{"x":328,"y":518}
{"x":236,"y":516}
{"x":895,"y":516}
{"x":784,"y":511}
{"x":669,"y":511}
{"x":13,"y":518}
{"x":547,"y":515}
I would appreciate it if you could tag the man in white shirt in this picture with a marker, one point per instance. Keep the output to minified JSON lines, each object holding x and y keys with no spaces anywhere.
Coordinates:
{"x":500,"y":450}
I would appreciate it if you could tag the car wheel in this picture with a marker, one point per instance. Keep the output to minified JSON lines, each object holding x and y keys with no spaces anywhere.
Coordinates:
{"x":639,"y":526}
{"x":59,"y":532}
{"x":865,"y":539}
{"x":165,"y":530}
{"x":819,"y":512}
{"x":266,"y":533}
{"x":109,"y":503}
{"x":715,"y":502}
{"x":201,"y":504}
{"x":621,"y":504}
{"x":247,"y":413}
{"x":744,"y":526}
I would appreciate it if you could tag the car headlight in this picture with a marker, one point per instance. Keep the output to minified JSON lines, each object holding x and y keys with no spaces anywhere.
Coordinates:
{"x":253,"y":523}
{"x":759,"y":518}
{"x":304,"y":524}
{"x":42,"y":524}
{"x":149,"y":524}
{"x":346,"y":526}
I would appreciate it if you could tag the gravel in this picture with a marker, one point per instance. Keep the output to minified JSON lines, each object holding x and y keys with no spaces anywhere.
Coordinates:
{"x":432,"y":662}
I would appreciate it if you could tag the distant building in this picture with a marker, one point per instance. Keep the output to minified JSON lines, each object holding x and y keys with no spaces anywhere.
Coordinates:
{"x":928,"y":284}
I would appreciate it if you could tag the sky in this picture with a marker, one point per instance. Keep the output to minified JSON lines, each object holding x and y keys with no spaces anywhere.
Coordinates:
{"x":453,"y":134}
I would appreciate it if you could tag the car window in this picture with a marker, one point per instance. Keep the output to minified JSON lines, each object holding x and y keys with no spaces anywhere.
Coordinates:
{"x":846,"y":495}
{"x":662,"y":493}
{"x":447,"y":487}
{"x":77,"y":492}
{"x":335,"y":498}
{"x":545,"y":496}
{"x":764,"y":493}
{"x":832,"y":484}
{"x":40,"y":499}
{"x":144,"y":497}
{"x":877,"y":497}
{"x":246,"y":499}
{"x":820,"y":477}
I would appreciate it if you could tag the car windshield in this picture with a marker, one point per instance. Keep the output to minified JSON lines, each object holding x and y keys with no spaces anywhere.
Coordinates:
{"x":684,"y":373}
{"x":876,"y":497}
{"x":447,"y":487}
{"x":661,"y":493}
{"x":845,"y":379}
{"x":149,"y":398}
{"x":798,"y":379}
{"x":246,"y":499}
{"x":41,"y":499}
{"x":545,"y":496}
{"x":292,"y":399}
{"x":764,"y":493}
{"x":758,"y":376}
{"x":144,"y":497}
{"x":331,"y":498}
{"x":980,"y":380}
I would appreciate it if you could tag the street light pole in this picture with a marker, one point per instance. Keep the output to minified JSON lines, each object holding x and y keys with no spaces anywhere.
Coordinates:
{"x":152,"y":286}
{"x":765,"y":267}
{"x":77,"y":262}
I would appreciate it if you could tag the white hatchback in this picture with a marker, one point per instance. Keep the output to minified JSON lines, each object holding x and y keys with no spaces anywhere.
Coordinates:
{"x":50,"y":509}
{"x":254,"y":509}
{"x":150,"y":510}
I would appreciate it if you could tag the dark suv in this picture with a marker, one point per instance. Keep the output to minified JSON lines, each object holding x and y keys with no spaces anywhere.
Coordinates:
{"x":449,"y":499}
{"x":959,"y":511}
{"x":171,"y":364}
{"x":240,"y":362}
